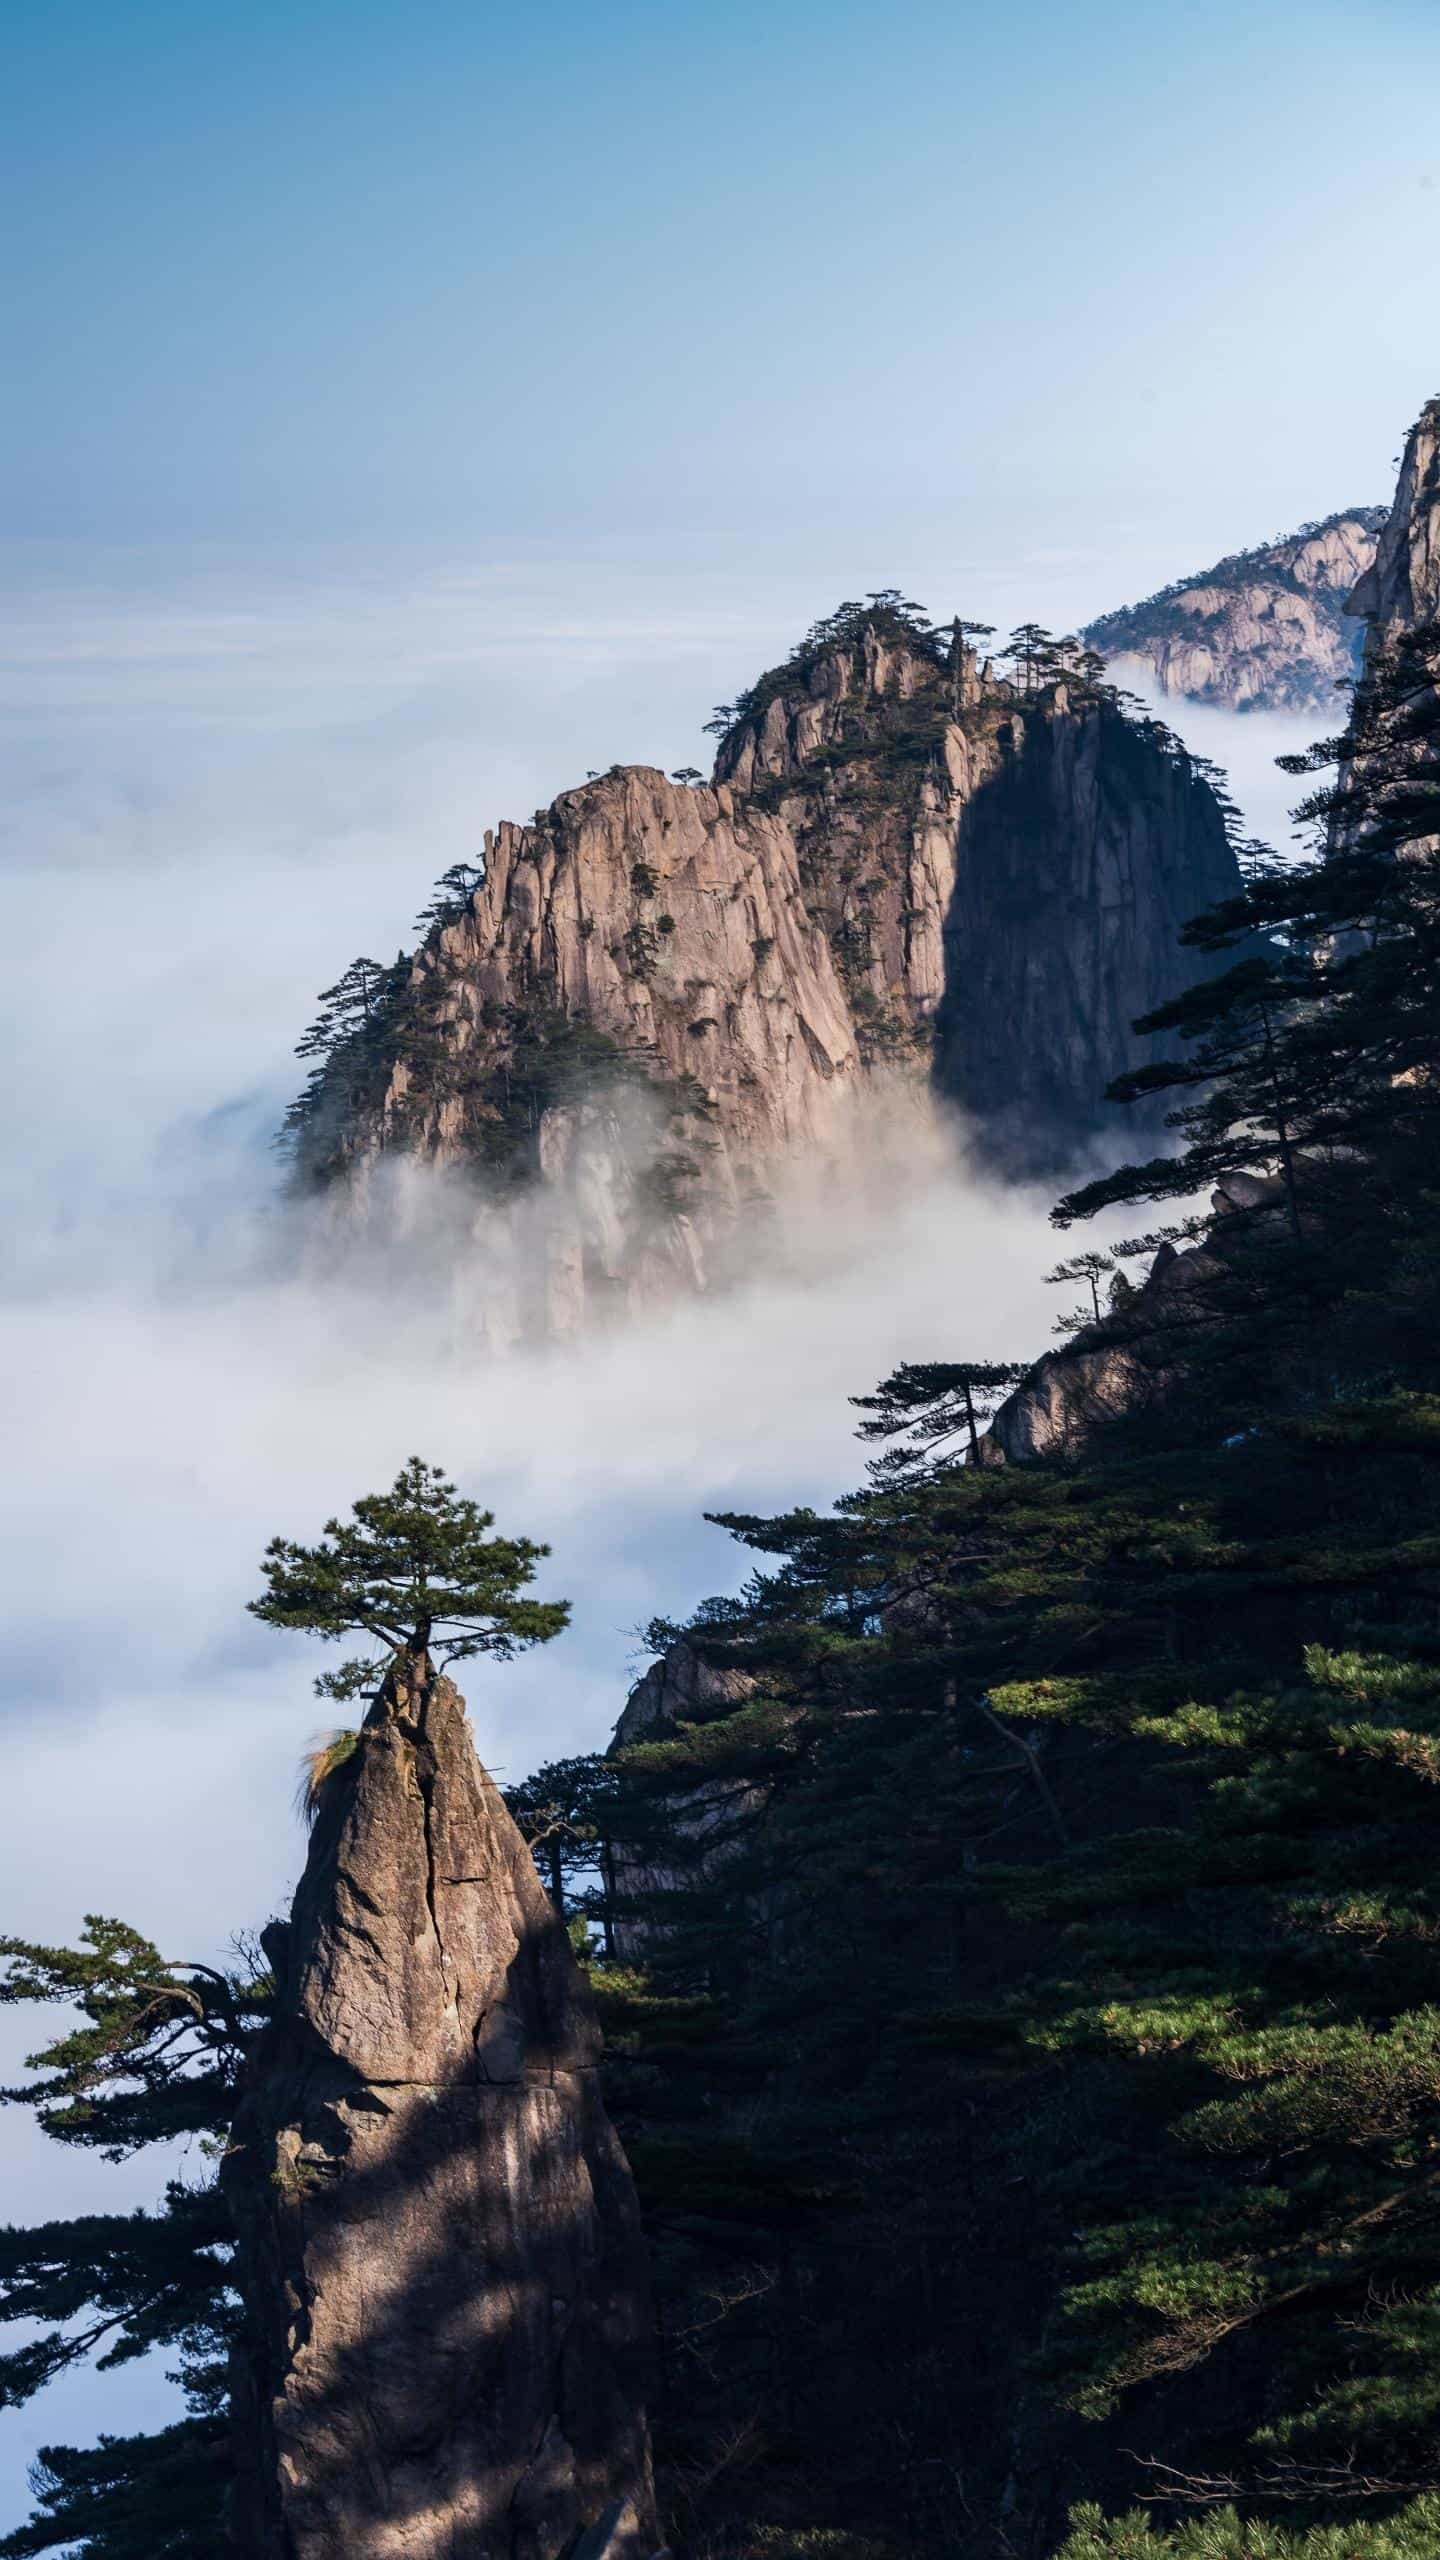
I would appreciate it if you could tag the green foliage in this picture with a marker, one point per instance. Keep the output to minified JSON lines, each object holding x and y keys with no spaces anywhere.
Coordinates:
{"x":450,"y":896}
{"x":150,"y":2497}
{"x":413,"y":1569}
{"x":353,"y":1041}
{"x":889,"y":614}
{"x":159,"y":2042}
{"x":156,"y":2054}
{"x":538,"y":1060}
{"x":1019,"y":1974}
{"x":562,"y":1814}
{"x":1087,"y":1808}
{"x":925,"y":1405}
{"x":117,"y":2284}
{"x":640,"y":947}
{"x":1413,"y":2534}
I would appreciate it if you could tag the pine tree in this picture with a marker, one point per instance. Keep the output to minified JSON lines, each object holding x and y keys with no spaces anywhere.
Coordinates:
{"x":1091,"y":1268}
{"x":562,"y":1811}
{"x":156,"y":2054}
{"x":926,"y":1404}
{"x":414,"y":1570}
{"x":1032,"y":650}
{"x":450,"y":896}
{"x":351,"y":1040}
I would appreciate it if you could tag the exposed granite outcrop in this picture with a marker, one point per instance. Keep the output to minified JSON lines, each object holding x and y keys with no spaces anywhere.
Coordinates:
{"x":1399,"y":601}
{"x":1402,"y":586}
{"x":1112,"y":1372}
{"x":702,"y":1826}
{"x":444,"y":2281}
{"x":904,"y":872}
{"x":680,"y":1687}
{"x":1264,"y":630}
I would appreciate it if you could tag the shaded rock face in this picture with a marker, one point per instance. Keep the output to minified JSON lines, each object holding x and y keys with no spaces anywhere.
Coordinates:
{"x":704,"y":1827}
{"x":1402,"y":587}
{"x":903,"y":875}
{"x":1079,"y":856}
{"x":1265,"y":630}
{"x":1399,"y":600}
{"x":440,"y":2254}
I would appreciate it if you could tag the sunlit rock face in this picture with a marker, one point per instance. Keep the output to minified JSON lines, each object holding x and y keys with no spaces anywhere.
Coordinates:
{"x":1265,"y":630}
{"x":905,"y":877}
{"x":446,"y":2311}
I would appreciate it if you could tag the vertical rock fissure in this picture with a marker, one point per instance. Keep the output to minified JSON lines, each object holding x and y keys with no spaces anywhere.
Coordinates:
{"x":425,"y":1781}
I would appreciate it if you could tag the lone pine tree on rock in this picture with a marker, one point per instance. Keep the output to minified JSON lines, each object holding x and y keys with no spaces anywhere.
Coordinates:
{"x":446,"y":2315}
{"x":414,"y":1570}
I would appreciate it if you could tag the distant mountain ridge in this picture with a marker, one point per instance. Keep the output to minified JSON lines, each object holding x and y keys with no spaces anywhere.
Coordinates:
{"x":1263,"y":630}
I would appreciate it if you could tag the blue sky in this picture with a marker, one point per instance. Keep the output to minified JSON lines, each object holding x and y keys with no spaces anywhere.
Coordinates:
{"x":334,"y":268}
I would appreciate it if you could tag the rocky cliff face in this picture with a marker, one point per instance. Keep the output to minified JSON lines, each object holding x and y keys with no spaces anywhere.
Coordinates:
{"x":446,"y":2312}
{"x":904,"y":874}
{"x":1402,"y":586}
{"x":1265,"y":630}
{"x":1399,"y":602}
{"x":705,"y":1828}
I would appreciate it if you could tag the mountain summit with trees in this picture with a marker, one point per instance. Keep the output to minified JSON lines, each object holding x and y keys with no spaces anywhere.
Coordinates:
{"x":918,"y":877}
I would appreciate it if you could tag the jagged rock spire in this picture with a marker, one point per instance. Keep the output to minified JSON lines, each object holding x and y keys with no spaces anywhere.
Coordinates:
{"x":446,"y":2308}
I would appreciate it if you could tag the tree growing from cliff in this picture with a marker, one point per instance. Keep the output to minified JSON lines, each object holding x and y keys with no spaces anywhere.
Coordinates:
{"x":924,"y":1406}
{"x":451,"y":895}
{"x":344,"y":1044}
{"x":415,"y":1570}
{"x":1031,"y":650}
{"x":1090,"y":1268}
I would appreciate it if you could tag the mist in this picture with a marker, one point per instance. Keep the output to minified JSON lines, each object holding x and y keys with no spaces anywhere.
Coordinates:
{"x":216,"y":796}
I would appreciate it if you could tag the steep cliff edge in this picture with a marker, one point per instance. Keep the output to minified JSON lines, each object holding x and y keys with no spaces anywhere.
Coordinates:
{"x":1399,"y":603}
{"x":1137,"y":1357}
{"x":446,"y":2308}
{"x":1264,"y":630}
{"x":906,"y":873}
{"x":1401,"y":589}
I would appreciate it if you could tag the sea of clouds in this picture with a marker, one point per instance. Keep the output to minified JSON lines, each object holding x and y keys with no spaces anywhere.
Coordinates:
{"x":223,"y":780}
